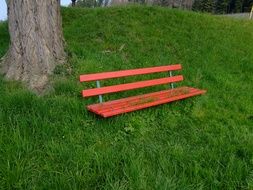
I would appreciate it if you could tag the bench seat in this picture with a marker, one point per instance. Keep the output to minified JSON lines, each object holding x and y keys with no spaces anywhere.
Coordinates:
{"x":133,"y":103}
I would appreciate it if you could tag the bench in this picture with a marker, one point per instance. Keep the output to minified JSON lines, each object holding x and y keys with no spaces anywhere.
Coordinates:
{"x":115,"y":107}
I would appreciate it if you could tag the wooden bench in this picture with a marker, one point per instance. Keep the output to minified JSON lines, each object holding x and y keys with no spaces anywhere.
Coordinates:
{"x":115,"y":107}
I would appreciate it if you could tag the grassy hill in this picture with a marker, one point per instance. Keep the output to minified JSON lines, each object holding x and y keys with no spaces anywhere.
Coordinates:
{"x":205,"y":142}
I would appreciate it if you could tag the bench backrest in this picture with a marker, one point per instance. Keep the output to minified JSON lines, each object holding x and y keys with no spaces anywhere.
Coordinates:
{"x":129,"y":86}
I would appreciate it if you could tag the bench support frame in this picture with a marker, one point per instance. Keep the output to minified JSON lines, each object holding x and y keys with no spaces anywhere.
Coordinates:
{"x":171,"y":84}
{"x":100,"y":97}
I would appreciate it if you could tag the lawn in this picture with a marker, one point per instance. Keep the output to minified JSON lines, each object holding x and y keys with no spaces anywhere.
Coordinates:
{"x":205,"y":142}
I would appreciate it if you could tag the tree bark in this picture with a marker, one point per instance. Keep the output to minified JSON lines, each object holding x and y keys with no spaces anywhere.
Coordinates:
{"x":73,"y":3}
{"x":36,"y":45}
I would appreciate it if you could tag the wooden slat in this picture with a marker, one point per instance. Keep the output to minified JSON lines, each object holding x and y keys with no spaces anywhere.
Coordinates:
{"x":114,"y":104}
{"x":130,"y":86}
{"x":159,"y":98}
{"x":124,"y":73}
{"x":143,"y":99}
{"x":150,"y":104}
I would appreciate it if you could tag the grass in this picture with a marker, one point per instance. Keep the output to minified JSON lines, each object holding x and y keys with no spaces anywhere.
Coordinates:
{"x":206,"y":142}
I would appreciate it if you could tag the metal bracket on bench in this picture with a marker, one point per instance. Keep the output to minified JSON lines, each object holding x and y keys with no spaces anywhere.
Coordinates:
{"x":100,"y":96}
{"x":171,"y":84}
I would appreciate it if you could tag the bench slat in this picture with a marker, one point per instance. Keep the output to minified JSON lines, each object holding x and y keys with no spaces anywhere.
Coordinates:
{"x":114,"y":104}
{"x":124,"y":73}
{"x":130,"y":86}
{"x":107,"y":109}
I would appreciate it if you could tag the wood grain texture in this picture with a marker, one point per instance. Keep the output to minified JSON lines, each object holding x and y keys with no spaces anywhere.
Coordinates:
{"x":130,"y":104}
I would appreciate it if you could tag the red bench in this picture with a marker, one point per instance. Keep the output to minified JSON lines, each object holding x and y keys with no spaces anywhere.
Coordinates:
{"x":115,"y":107}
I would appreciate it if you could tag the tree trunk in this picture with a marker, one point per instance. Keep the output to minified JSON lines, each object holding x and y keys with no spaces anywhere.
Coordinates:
{"x":73,"y":3}
{"x":36,"y":42}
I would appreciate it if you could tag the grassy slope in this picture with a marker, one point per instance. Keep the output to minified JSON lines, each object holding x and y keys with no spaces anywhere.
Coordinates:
{"x":52,"y":142}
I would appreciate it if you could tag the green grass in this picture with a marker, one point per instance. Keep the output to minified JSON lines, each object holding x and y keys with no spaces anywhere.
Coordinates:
{"x":206,"y":142}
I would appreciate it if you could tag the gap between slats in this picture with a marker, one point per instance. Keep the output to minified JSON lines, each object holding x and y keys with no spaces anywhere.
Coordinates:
{"x":138,"y":107}
{"x":135,"y":99}
{"x":116,"y":105}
